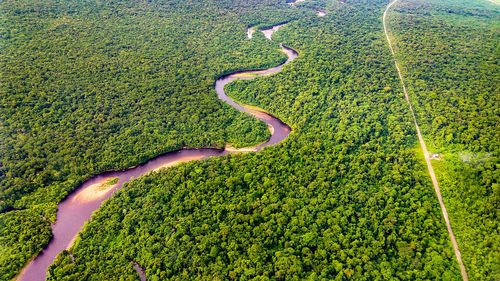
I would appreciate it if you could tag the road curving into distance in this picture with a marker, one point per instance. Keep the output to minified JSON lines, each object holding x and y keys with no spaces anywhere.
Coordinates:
{"x":426,"y":155}
{"x":77,"y":208}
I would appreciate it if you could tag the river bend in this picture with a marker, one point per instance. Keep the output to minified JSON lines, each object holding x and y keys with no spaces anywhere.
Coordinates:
{"x":77,"y":208}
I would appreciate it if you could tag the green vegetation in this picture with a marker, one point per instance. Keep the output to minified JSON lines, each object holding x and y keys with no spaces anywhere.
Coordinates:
{"x":112,"y":181}
{"x":449,"y":55}
{"x":87,"y":86}
{"x":344,"y":197}
{"x":23,"y":233}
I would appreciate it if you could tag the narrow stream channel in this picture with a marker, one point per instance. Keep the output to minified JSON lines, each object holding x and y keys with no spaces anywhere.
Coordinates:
{"x":77,"y":208}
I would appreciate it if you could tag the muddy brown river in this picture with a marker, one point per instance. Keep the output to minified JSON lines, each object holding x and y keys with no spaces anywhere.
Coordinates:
{"x":77,"y":208}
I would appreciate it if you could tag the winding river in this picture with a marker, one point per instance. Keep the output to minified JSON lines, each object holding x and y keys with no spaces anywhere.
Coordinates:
{"x":77,"y":208}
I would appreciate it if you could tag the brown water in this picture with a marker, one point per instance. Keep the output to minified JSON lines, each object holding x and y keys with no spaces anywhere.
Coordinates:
{"x":279,"y":129}
{"x":77,"y":208}
{"x":295,"y":2}
{"x":270,"y":31}
{"x":250,"y":32}
{"x":140,"y":271}
{"x":321,"y":13}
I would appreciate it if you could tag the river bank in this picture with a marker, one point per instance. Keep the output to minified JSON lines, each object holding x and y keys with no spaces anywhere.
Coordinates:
{"x":78,"y":207}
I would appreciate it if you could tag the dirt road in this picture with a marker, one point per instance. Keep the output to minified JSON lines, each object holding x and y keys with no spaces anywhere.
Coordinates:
{"x":426,"y":154}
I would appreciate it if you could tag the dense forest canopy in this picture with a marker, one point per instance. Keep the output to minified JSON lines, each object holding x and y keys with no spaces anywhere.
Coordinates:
{"x":79,"y":79}
{"x":449,"y":53}
{"x":88,"y":86}
{"x":345,"y":196}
